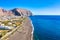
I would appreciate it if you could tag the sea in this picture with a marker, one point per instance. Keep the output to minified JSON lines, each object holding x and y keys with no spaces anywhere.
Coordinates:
{"x":46,"y":27}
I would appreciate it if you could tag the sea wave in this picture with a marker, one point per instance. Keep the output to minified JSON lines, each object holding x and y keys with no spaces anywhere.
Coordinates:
{"x":32,"y":29}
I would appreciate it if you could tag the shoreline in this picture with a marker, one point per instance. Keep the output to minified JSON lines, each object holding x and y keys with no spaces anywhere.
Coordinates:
{"x":24,"y":33}
{"x":32,"y":29}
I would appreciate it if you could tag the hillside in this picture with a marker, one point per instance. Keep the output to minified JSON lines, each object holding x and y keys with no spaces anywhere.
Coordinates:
{"x":15,"y":11}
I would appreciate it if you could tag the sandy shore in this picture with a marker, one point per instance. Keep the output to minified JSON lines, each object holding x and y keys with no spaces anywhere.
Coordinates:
{"x":23,"y":33}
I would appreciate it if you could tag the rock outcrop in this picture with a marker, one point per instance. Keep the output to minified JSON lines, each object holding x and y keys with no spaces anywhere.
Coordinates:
{"x":21,"y":12}
{"x":5,"y":13}
{"x":16,"y":11}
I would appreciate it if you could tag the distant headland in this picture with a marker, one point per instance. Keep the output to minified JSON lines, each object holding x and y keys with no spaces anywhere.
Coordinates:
{"x":15,"y":11}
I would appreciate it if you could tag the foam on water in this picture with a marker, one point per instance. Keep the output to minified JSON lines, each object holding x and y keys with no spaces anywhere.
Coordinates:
{"x":46,"y":27}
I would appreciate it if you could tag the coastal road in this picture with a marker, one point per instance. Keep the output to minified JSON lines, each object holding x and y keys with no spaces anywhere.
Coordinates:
{"x":23,"y":33}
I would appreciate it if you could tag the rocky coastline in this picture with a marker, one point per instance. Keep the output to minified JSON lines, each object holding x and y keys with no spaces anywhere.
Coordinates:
{"x":26,"y":33}
{"x":32,"y":30}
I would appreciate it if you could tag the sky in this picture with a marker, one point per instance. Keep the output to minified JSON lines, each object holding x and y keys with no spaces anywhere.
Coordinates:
{"x":37,"y":7}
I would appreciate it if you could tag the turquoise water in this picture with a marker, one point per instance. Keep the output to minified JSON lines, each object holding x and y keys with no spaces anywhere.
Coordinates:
{"x":46,"y":27}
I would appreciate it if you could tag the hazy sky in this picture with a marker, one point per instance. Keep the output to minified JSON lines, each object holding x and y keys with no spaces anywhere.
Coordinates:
{"x":38,"y":7}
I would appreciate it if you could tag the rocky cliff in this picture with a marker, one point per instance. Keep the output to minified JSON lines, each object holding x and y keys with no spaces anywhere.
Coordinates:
{"x":21,"y":12}
{"x":16,"y":11}
{"x":5,"y":12}
{"x":24,"y":33}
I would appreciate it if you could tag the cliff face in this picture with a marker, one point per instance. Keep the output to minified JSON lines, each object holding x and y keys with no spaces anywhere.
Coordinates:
{"x":16,"y":11}
{"x":5,"y":13}
{"x":21,"y":12}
